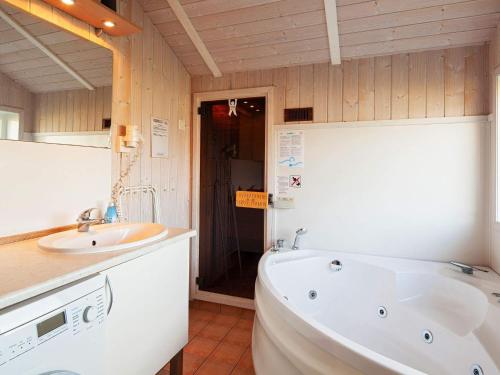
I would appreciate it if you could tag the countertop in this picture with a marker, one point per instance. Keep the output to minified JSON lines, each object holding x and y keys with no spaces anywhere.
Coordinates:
{"x":27,"y":271}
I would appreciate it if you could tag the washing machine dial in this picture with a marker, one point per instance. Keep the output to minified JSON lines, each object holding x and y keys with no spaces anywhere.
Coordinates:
{"x":89,"y":314}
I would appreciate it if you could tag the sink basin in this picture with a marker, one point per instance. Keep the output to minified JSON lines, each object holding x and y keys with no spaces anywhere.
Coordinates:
{"x":103,"y":238}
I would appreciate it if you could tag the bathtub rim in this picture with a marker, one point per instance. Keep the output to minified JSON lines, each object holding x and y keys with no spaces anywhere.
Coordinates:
{"x":320,"y":330}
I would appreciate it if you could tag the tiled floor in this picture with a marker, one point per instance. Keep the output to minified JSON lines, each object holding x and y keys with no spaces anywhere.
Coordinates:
{"x":220,"y":339}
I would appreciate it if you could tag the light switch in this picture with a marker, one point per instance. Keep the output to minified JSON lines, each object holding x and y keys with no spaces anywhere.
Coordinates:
{"x":182,"y":125}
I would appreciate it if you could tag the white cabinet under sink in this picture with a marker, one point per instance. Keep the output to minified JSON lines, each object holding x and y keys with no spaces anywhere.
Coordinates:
{"x":148,"y":322}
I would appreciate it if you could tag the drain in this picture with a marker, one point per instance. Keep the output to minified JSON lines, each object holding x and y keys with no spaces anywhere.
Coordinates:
{"x":476,"y":370}
{"x":335,"y":265}
{"x":313,"y":294}
{"x":427,"y":336}
{"x":382,"y":312}
{"x":94,"y":243}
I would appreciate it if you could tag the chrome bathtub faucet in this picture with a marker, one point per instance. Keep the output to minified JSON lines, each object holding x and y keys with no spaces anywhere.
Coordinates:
{"x":465,"y":268}
{"x":299,"y":232}
{"x":84,"y":221}
{"x":280,"y":243}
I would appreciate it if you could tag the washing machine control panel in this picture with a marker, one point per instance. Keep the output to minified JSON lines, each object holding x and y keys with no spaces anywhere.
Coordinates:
{"x":86,"y":315}
{"x":78,"y":317}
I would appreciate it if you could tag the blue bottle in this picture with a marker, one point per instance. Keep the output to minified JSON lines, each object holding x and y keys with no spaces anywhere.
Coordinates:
{"x":111,"y":216}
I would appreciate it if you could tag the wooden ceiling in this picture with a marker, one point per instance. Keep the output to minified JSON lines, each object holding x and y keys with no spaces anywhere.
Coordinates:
{"x":27,"y":65}
{"x":246,"y":35}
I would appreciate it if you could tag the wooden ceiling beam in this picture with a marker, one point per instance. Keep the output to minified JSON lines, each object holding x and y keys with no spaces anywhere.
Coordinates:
{"x":42,"y":47}
{"x":332,"y":27}
{"x":194,"y":36}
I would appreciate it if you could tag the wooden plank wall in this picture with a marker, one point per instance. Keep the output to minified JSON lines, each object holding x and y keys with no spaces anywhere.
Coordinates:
{"x":161,"y":87}
{"x":494,"y":67}
{"x":72,"y":110}
{"x":494,"y":70}
{"x":451,"y":82}
{"x":15,"y":96}
{"x":148,"y":80}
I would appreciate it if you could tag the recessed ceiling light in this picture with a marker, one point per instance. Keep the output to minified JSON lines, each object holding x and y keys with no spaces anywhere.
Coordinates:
{"x":245,"y":102}
{"x":109,"y":23}
{"x":257,"y":110}
{"x":252,"y":106}
{"x":68,"y":2}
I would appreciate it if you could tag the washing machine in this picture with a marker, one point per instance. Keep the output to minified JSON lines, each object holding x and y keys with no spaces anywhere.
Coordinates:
{"x":56,"y":333}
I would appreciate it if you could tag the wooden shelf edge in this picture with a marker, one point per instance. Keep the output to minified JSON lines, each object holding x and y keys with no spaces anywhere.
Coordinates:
{"x":94,"y":13}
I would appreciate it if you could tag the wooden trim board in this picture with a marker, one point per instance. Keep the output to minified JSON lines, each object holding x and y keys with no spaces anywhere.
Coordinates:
{"x":4,"y":240}
{"x":94,"y":13}
{"x":458,"y":120}
{"x":244,"y":303}
{"x":195,"y":37}
{"x":333,"y":30}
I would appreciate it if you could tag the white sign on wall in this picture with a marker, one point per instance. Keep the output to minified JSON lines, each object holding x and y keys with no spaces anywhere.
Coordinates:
{"x":159,"y":138}
{"x":291,"y":148}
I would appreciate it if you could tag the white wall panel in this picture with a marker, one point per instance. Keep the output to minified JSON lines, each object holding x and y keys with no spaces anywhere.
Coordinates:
{"x":410,"y":188}
{"x":47,"y":185}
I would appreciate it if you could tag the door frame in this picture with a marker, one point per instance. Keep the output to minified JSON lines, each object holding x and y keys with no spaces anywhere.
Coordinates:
{"x":268,"y":93}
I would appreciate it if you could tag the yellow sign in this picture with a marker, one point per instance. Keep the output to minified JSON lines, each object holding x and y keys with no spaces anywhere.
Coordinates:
{"x":251,"y":199}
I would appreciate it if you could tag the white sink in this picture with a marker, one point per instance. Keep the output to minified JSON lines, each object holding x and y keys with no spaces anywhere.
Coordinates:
{"x":103,"y":238}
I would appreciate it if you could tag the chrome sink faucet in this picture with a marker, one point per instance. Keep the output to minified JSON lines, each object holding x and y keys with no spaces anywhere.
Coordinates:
{"x":84,"y":221}
{"x":299,"y":232}
{"x":465,"y":268}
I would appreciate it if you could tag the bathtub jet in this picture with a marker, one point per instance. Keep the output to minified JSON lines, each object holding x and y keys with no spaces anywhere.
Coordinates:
{"x":377,"y":316}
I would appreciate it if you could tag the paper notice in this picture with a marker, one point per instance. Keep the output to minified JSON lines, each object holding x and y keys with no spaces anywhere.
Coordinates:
{"x":159,"y":138}
{"x":282,"y":185}
{"x":291,"y":148}
{"x":252,"y":199}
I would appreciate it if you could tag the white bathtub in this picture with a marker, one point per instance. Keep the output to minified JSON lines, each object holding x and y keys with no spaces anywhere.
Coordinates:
{"x":376,"y":315}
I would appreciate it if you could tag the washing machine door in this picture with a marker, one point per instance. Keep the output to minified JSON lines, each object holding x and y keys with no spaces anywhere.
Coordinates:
{"x":59,"y":372}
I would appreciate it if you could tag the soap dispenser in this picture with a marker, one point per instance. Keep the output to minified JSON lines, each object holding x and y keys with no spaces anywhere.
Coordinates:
{"x":111,"y":214}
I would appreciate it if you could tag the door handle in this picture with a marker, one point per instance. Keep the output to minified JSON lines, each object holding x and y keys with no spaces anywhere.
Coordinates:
{"x":110,"y":304}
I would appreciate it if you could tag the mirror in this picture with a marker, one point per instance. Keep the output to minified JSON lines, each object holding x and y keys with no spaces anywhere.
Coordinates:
{"x":54,"y":86}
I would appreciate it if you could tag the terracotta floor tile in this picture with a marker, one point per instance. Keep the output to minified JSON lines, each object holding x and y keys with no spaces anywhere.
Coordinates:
{"x":195,"y":327}
{"x":248,"y":314}
{"x":231,"y":310}
{"x":204,"y":315}
{"x":227,"y":353}
{"x":225,"y":320}
{"x":243,"y":371}
{"x":192,"y":362}
{"x":220,"y":338}
{"x":201,"y":346}
{"x":214,"y":331}
{"x":164,"y":371}
{"x":238,"y":336}
{"x":244,"y":324}
{"x":245,"y":364}
{"x":208,"y":306}
{"x":246,"y":359}
{"x":212,"y":367}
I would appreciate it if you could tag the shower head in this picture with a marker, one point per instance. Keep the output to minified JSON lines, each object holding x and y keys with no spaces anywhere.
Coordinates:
{"x":301,"y":231}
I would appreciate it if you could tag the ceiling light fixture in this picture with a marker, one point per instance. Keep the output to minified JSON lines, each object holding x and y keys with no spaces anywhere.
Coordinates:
{"x":109,"y":23}
{"x":257,"y":110}
{"x":245,"y":102}
{"x":68,"y":2}
{"x":252,"y":106}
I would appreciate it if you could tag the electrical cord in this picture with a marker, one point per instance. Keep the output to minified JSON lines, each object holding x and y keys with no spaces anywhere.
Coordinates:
{"x":119,"y":184}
